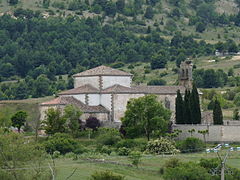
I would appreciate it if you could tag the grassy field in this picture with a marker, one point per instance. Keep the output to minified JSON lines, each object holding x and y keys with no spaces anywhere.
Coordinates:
{"x":31,"y":106}
{"x":148,"y":169}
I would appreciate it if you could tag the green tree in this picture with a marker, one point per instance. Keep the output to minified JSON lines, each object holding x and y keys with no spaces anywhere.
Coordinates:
{"x":72,"y":115}
{"x":200,"y":27}
{"x":41,"y":86}
{"x":217,"y":113}
{"x":15,"y":152}
{"x":149,"y":13}
{"x":120,"y":5}
{"x":203,"y":132}
{"x":158,"y":61}
{"x":110,"y":8}
{"x":187,"y":110}
{"x":158,"y":82}
{"x":195,"y":106}
{"x":144,"y":115}
{"x":236,"y":114}
{"x":18,"y":119}
{"x":46,"y":3}
{"x":179,"y":109}
{"x":55,"y":122}
{"x":13,"y":2}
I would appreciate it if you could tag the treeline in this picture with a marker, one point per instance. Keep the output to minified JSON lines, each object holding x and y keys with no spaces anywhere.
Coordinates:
{"x":59,"y":45}
{"x":31,"y":46}
{"x":210,"y":78}
{"x":32,"y":88}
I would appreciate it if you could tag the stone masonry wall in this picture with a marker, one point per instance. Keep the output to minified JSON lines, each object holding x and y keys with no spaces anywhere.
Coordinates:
{"x":217,"y":133}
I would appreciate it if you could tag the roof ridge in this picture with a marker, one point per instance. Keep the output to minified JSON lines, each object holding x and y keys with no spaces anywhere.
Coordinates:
{"x":103,"y":70}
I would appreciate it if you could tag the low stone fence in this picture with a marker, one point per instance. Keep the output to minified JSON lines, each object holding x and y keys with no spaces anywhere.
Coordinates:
{"x":217,"y":133}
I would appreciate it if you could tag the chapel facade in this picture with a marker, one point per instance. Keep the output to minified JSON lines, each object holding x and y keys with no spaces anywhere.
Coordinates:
{"x":104,"y":92}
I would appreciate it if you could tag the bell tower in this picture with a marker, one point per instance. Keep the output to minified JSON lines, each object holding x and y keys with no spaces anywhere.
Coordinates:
{"x":185,"y":74}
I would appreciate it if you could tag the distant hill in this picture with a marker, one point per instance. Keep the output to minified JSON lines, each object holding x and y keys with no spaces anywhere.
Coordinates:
{"x":211,"y":20}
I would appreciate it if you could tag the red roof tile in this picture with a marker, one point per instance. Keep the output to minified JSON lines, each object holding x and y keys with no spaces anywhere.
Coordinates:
{"x":102,"y":70}
{"x":62,"y":100}
{"x":81,"y":90}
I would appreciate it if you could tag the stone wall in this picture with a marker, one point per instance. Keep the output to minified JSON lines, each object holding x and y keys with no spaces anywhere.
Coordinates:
{"x":168,"y":101}
{"x":217,"y":133}
{"x":43,"y":110}
{"x":120,"y":104}
{"x":108,"y":81}
{"x":103,"y":117}
{"x":92,"y":80}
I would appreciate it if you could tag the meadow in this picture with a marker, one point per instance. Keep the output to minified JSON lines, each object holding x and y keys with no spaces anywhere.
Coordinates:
{"x":149,"y":167}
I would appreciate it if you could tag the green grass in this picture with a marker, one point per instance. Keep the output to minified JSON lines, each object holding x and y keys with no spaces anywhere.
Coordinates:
{"x":148,"y":168}
{"x":31,"y":106}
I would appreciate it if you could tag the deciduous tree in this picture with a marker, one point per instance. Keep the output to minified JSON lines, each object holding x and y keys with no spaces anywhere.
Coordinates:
{"x":144,"y":115}
{"x":54,"y":122}
{"x":18,"y":119}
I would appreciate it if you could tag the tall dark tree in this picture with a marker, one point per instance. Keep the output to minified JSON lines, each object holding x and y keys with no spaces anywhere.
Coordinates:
{"x":158,"y":61}
{"x":149,"y":12}
{"x":13,"y":2}
{"x":217,"y":113}
{"x":120,"y":5}
{"x":187,"y":111}
{"x":195,"y":106}
{"x":179,"y":108}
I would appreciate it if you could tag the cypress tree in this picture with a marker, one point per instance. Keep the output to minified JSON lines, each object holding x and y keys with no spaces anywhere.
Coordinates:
{"x":195,"y":106}
{"x":187,"y":111}
{"x":179,"y":108}
{"x":217,"y":113}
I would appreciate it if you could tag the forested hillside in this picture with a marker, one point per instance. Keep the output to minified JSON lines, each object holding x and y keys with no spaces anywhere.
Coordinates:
{"x":41,"y":40}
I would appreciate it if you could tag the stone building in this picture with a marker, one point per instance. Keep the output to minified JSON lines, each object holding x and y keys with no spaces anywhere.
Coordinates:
{"x":103,"y":92}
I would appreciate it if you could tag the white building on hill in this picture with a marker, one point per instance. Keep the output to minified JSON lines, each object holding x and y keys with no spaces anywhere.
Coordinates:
{"x":103,"y":92}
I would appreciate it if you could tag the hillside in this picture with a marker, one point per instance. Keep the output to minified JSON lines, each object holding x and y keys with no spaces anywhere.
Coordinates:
{"x":43,"y":43}
{"x":166,"y":16}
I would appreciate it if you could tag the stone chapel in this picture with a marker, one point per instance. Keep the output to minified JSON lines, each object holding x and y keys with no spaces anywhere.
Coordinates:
{"x":104,"y":92}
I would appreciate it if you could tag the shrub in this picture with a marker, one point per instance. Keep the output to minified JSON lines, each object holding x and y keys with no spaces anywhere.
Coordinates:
{"x":108,"y":136}
{"x":189,"y":170}
{"x":161,"y":146}
{"x":123,"y":151}
{"x":209,"y":163}
{"x":159,"y":82}
{"x":135,"y":157}
{"x":191,"y":144}
{"x":117,"y":65}
{"x":63,"y":143}
{"x":105,"y":150}
{"x":106,"y":175}
{"x":172,"y":163}
{"x":56,"y":154}
{"x":93,"y":123}
{"x":131,"y":66}
{"x":128,"y":143}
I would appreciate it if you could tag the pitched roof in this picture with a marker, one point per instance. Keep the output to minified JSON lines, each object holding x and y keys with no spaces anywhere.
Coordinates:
{"x":118,"y":89}
{"x":63,"y":100}
{"x":102,"y":70}
{"x":159,"y":89}
{"x":87,"y":88}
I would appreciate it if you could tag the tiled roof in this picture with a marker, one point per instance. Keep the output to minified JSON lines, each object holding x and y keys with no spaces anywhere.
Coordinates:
{"x":118,"y":89}
{"x":62,"y":100}
{"x":81,"y":90}
{"x":102,"y":70}
{"x":88,"y":89}
{"x":144,"y":89}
